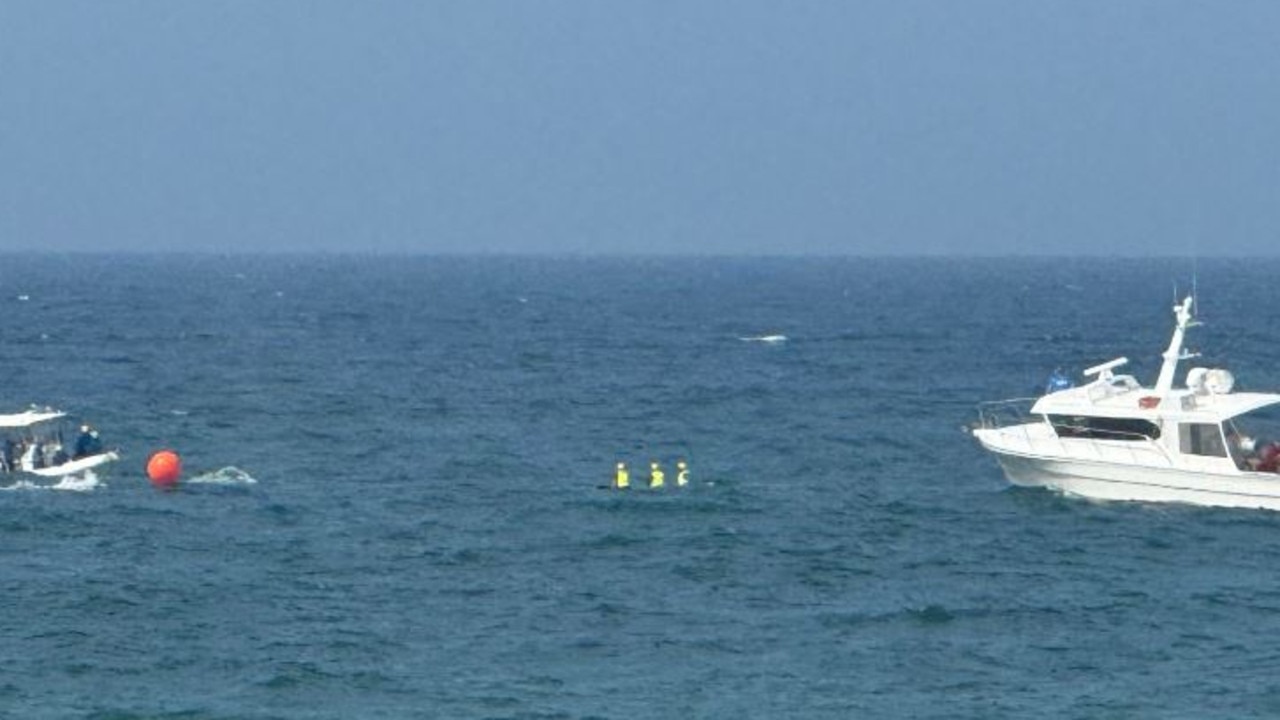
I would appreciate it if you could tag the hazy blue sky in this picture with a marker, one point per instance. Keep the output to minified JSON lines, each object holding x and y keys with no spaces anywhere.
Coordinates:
{"x":951,"y":126}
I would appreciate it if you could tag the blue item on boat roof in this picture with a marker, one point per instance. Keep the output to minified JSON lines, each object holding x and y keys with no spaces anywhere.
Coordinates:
{"x":1057,"y":381}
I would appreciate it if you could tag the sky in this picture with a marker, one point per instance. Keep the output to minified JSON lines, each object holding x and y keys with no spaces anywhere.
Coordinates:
{"x":740,"y":127}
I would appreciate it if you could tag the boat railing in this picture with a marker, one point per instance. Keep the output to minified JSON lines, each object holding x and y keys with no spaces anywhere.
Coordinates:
{"x":995,"y":414}
{"x":1078,"y":441}
{"x":1138,"y":448}
{"x":1104,"y":444}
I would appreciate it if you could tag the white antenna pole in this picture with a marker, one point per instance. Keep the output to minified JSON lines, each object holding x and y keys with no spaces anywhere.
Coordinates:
{"x":1182,"y":312}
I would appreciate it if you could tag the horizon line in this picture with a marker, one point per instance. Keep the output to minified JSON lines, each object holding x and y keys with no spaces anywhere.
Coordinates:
{"x":639,"y":255}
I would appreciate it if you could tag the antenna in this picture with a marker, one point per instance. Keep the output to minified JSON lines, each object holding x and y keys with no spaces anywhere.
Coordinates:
{"x":1195,"y":271}
{"x":1181,"y":311}
{"x":1195,"y":289}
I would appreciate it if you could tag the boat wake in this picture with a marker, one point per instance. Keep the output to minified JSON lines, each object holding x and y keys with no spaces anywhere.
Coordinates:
{"x":82,"y":482}
{"x":766,"y":339}
{"x":229,"y":475}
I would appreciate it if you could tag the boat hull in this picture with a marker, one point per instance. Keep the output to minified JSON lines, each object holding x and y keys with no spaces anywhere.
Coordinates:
{"x":1102,"y":481}
{"x":64,"y":470}
{"x":72,"y":467}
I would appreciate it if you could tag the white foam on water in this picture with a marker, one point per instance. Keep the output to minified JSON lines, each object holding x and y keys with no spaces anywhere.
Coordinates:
{"x":769,"y":339}
{"x":83,"y":482}
{"x":229,"y":475}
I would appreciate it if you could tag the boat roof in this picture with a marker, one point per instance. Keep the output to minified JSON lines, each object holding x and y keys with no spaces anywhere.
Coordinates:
{"x":1121,"y":396}
{"x":27,"y":418}
{"x":1206,"y":395}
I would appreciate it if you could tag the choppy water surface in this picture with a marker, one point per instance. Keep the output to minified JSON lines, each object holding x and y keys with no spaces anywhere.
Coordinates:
{"x":394,"y":504}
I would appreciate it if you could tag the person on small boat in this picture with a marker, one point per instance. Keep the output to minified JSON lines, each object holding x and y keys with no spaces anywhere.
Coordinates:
{"x":32,"y":457}
{"x":657,"y":478}
{"x":682,"y":473}
{"x":7,"y":455}
{"x":621,"y":478}
{"x":88,"y":443}
{"x":54,"y":455}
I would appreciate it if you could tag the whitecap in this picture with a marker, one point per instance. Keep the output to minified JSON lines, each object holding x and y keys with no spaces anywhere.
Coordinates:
{"x":229,"y":475}
{"x":768,"y":339}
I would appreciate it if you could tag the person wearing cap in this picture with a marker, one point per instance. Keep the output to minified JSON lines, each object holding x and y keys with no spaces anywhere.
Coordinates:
{"x":621,"y":479}
{"x":682,"y":473}
{"x":656,"y":477}
{"x":88,"y":443}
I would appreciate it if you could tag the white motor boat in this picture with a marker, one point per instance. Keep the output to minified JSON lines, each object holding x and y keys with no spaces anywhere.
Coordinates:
{"x":35,"y":442}
{"x":1113,"y":439}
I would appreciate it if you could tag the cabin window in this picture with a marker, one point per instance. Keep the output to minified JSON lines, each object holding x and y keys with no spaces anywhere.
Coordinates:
{"x":1104,"y":428}
{"x":1201,"y":439}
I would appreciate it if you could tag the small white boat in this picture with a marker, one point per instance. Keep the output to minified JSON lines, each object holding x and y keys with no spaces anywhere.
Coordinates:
{"x":1113,"y":439}
{"x":35,"y":442}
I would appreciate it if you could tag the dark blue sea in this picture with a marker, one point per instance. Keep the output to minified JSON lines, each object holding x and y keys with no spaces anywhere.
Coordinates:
{"x":393,"y":503}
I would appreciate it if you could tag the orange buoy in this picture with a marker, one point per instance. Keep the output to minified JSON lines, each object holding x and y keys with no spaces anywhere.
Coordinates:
{"x":164,"y":467}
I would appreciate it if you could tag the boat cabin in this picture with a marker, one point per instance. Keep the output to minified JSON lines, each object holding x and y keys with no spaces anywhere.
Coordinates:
{"x":1202,"y":426}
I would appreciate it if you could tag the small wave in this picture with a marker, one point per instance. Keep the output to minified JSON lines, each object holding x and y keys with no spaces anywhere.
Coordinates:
{"x":767,"y":339}
{"x":931,"y":614}
{"x":229,"y":475}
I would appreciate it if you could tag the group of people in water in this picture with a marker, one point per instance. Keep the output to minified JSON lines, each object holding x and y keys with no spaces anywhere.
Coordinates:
{"x":657,"y":478}
{"x":36,"y":453}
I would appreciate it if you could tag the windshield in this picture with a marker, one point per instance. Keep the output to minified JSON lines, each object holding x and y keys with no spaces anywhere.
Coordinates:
{"x":1253,"y":439}
{"x":1255,"y":428}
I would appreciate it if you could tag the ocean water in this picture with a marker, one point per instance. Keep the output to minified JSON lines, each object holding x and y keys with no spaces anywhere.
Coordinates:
{"x":393,"y":504}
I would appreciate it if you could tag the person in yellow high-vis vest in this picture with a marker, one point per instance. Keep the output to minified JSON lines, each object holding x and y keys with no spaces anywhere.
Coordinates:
{"x":656,"y":477}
